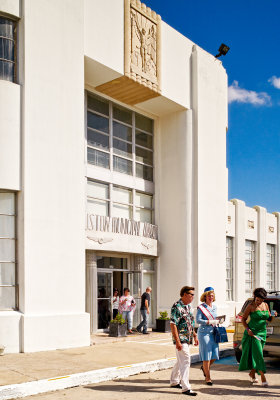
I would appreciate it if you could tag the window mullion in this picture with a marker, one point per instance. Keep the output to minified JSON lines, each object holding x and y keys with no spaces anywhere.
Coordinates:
{"x":111,"y":136}
{"x":133,"y":145}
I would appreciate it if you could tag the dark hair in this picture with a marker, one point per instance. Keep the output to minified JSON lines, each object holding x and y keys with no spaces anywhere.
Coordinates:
{"x":115,"y":290}
{"x":185,"y":289}
{"x":260,"y":292}
{"x":126,"y":289}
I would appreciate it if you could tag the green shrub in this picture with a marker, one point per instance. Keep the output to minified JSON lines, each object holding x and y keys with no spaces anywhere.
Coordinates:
{"x":163,"y":315}
{"x":118,"y":320}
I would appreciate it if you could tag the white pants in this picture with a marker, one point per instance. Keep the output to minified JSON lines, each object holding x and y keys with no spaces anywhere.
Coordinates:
{"x":181,"y":370}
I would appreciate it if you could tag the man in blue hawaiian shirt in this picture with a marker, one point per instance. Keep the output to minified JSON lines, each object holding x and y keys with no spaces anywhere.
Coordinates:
{"x":182,"y":328}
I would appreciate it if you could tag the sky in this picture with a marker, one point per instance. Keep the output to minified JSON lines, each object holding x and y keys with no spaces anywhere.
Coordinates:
{"x":251,"y":29}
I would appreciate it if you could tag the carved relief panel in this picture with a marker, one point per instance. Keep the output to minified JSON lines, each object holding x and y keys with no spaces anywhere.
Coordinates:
{"x":142,"y":44}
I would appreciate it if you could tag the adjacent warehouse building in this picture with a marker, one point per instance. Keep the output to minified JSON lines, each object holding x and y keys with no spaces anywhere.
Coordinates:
{"x":112,"y":169}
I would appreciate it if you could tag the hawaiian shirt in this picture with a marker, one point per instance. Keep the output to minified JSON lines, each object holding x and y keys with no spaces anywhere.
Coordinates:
{"x":182,"y":316}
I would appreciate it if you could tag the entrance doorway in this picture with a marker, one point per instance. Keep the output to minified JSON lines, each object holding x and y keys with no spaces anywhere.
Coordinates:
{"x":115,"y":272}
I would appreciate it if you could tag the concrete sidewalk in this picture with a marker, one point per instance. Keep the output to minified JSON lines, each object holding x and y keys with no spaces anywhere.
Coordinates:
{"x":155,"y":350}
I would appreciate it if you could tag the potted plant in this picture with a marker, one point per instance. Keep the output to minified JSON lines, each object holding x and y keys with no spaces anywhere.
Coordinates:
{"x":163,"y":322}
{"x":117,"y":326}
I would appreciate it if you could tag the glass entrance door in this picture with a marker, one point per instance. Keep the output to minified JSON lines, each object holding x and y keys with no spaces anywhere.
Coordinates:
{"x":105,"y":292}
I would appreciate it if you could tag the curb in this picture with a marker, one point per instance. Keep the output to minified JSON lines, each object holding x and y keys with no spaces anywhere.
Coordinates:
{"x":9,"y":392}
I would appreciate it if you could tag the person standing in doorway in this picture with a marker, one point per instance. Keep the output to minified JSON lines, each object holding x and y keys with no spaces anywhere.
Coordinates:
{"x":145,"y":311}
{"x":183,"y":333}
{"x":116,"y":300}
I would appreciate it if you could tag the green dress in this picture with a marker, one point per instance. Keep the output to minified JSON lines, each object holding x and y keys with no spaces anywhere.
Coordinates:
{"x":252,"y":348}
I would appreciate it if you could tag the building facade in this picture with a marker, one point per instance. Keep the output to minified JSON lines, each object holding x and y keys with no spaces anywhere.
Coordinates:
{"x":112,"y":168}
{"x":252,"y":252}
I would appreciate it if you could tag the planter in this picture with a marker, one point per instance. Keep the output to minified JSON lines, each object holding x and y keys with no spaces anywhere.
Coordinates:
{"x":117,"y":330}
{"x":163,"y":325}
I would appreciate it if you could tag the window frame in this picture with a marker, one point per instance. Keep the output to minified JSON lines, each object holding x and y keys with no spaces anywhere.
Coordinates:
{"x":15,"y":285}
{"x":229,"y":260}
{"x":131,"y":204}
{"x":251,"y":262}
{"x":15,"y":49}
{"x":272,"y":265}
{"x":113,"y":155}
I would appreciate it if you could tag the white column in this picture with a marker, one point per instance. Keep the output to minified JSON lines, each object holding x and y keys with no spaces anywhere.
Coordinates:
{"x":239,"y":250}
{"x":261,"y":248}
{"x":277,"y":255}
{"x":91,"y":286}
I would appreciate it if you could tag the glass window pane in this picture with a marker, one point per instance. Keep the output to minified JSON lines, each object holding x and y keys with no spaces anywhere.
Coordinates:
{"x":97,"y":122}
{"x":122,"y":131}
{"x":148,"y":264}
{"x":122,"y":195}
{"x":7,"y":274}
{"x":142,"y":171}
{"x":143,"y":200}
{"x":143,"y":215}
{"x":7,"y":250}
{"x":98,"y":207}
{"x":7,"y":203}
{"x":98,"y":158}
{"x":144,"y":156}
{"x":122,"y":165}
{"x":144,"y":123}
{"x":103,"y":262}
{"x":7,"y":70}
{"x":98,"y":139}
{"x":6,"y":49}
{"x":6,"y":28}
{"x":122,"y":211}
{"x":97,"y":104}
{"x":7,"y":298}
{"x":144,"y":140}
{"x":122,"y":148}
{"x":7,"y":226}
{"x":96,"y":189}
{"x":122,"y":114}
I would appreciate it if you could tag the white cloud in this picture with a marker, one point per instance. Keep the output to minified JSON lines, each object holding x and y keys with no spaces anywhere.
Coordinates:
{"x":236,"y":93}
{"x":275,"y":82}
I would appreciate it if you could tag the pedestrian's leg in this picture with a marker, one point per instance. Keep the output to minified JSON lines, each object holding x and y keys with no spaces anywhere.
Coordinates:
{"x":139,"y":327}
{"x":206,"y":369}
{"x":124,"y":315}
{"x":263,"y":378}
{"x":115,"y":313}
{"x":145,"y":321}
{"x":184,"y":359}
{"x":175,"y":374}
{"x":129,"y":321}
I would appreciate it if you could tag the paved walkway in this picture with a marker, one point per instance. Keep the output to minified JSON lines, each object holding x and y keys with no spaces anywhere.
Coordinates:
{"x":105,"y":352}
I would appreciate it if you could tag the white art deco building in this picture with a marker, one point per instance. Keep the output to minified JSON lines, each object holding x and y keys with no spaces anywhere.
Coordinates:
{"x":113,"y":172}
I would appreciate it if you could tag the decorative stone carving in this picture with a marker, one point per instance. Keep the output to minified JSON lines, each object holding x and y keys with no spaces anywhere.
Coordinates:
{"x":147,"y":245}
{"x":271,"y":229}
{"x":100,"y":240}
{"x":142,"y":44}
{"x":251,"y":224}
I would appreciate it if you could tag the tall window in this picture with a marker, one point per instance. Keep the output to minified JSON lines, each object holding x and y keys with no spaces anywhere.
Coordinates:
{"x":7,"y":252}
{"x":249,"y":266}
{"x":7,"y":49}
{"x":270,"y":267}
{"x":119,"y":139}
{"x":115,"y":201}
{"x":229,"y":269}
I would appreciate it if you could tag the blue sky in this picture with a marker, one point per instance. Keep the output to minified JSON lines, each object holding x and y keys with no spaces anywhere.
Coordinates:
{"x":251,"y":29}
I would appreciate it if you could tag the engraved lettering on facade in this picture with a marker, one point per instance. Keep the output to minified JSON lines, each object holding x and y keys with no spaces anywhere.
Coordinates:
{"x":120,"y":225}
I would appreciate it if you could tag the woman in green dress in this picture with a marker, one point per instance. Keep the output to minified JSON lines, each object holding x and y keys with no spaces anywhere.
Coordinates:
{"x":255,"y":336}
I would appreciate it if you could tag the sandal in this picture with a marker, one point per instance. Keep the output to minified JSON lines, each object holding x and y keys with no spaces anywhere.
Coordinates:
{"x":265,"y":384}
{"x":253,"y":379}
